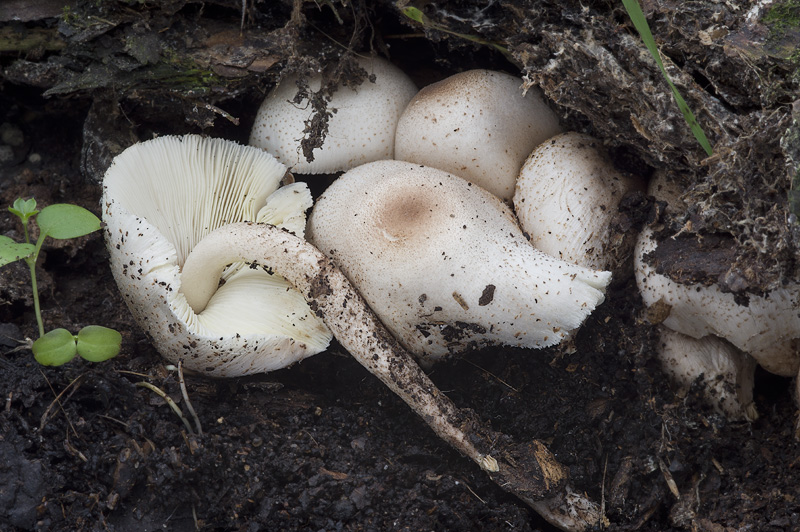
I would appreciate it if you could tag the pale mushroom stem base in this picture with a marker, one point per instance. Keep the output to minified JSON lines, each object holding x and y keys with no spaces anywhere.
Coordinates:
{"x":528,"y":471}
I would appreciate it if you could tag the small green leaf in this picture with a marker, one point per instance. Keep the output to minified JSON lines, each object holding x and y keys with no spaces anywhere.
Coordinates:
{"x":414,"y":14}
{"x":23,"y":209}
{"x":11,"y":251}
{"x":62,"y":221}
{"x":55,"y":348}
{"x":97,"y":343}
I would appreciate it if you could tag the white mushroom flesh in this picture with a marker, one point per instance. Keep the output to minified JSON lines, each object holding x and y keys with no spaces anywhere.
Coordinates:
{"x":163,"y":196}
{"x":567,"y":197}
{"x":444,"y":264}
{"x":477,"y":125}
{"x":360,"y":129}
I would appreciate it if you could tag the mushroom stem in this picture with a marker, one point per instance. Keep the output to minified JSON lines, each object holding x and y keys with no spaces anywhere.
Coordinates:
{"x":529,"y":471}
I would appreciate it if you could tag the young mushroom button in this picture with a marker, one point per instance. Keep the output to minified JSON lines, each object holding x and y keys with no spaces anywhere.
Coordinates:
{"x":160,"y":198}
{"x":443,"y":263}
{"x":566,"y":197}
{"x":361,"y":125}
{"x":477,"y":125}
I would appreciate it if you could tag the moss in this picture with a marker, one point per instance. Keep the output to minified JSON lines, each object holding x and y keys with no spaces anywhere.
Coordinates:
{"x":783,"y":21}
{"x":184,"y":74}
{"x":783,"y":16}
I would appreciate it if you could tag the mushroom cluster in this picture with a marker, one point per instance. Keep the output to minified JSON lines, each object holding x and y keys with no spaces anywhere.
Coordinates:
{"x":479,"y":126}
{"x":442,"y":262}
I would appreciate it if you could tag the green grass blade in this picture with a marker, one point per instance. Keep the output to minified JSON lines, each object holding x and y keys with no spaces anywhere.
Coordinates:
{"x":641,"y":25}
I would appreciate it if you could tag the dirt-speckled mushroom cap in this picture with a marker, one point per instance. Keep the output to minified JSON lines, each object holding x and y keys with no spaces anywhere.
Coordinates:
{"x":566,"y":197}
{"x":160,"y":198}
{"x":726,"y":373}
{"x":361,"y":128}
{"x":476,"y":125}
{"x":767,"y":327}
{"x":443,"y":263}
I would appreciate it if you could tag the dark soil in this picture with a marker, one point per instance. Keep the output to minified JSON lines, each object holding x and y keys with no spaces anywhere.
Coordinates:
{"x":324,"y":445}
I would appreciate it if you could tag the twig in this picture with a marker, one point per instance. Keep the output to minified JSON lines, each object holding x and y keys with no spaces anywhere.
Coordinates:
{"x":57,"y":400}
{"x":185,"y":394}
{"x":214,"y":109}
{"x":175,"y":408}
{"x":472,"y":492}
{"x":491,"y":375}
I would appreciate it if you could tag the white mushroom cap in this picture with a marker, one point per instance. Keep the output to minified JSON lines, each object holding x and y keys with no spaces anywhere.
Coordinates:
{"x":361,"y":128}
{"x":443,"y":263}
{"x":163,"y":196}
{"x":566,"y":198}
{"x":477,"y":125}
{"x":767,"y":328}
{"x":727,"y":373}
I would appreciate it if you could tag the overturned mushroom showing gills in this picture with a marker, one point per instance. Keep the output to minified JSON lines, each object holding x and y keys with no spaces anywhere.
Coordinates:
{"x":477,"y":125}
{"x":443,"y":263}
{"x":566,"y":198}
{"x":361,"y":125}
{"x":529,"y":471}
{"x":160,"y":198}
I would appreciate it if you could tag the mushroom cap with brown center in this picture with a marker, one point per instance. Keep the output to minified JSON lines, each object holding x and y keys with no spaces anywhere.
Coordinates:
{"x":443,"y":263}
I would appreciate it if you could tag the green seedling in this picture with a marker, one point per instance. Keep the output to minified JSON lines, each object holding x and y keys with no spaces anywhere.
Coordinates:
{"x":640,"y":23}
{"x":61,"y":221}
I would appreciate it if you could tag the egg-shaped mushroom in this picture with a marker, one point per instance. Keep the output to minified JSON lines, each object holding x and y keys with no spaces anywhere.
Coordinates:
{"x":444,"y":264}
{"x":361,"y":125}
{"x":160,"y":198}
{"x":566,"y":198}
{"x":478,"y":125}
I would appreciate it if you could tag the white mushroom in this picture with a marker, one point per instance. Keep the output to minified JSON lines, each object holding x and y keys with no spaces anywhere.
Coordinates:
{"x":361,"y":128}
{"x":766,"y":328}
{"x":528,"y":470}
{"x":443,"y":263}
{"x":477,"y":125}
{"x":163,"y":196}
{"x":566,"y":198}
{"x":726,"y":373}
